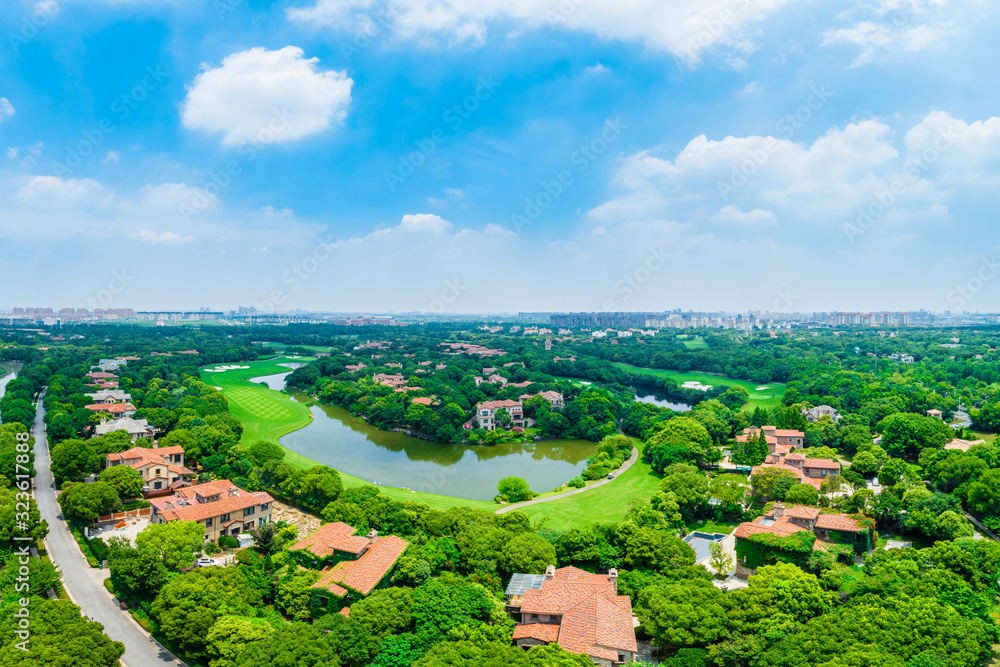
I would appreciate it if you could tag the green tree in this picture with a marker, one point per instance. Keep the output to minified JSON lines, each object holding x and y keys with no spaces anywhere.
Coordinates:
{"x":126,"y":480}
{"x":60,"y":635}
{"x":12,"y":524}
{"x":683,"y":614}
{"x":528,"y":553}
{"x":779,"y":589}
{"x":802,"y":494}
{"x":295,"y":593}
{"x":234,"y":637}
{"x":356,"y":647}
{"x":72,"y":460}
{"x":88,"y":501}
{"x":905,"y":435}
{"x":294,"y":645}
{"x":387,"y":611}
{"x":175,"y":543}
{"x":513,"y":489}
{"x":720,"y":560}
{"x":190,"y":604}
{"x":136,"y":576}
{"x":263,"y":451}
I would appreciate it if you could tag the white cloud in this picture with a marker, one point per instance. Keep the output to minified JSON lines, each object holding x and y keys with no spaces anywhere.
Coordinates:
{"x":112,"y":157}
{"x":685,"y":28}
{"x":885,"y":27}
{"x":6,"y":108}
{"x":150,"y":236}
{"x":731,"y":215}
{"x":266,"y":96}
{"x":599,"y":68}
{"x":12,"y":152}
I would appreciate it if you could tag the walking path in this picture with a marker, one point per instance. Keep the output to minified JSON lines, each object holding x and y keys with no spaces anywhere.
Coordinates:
{"x":84,"y":584}
{"x":618,"y":473}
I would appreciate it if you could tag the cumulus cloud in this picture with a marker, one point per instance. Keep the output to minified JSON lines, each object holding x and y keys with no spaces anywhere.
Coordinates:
{"x":266,"y":96}
{"x":685,"y":28}
{"x":879,"y":29}
{"x":6,"y":109}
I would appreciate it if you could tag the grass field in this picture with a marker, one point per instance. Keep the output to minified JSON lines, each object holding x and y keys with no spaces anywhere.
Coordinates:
{"x":769,"y":398}
{"x":267,"y":415}
{"x":692,"y":342}
{"x":280,"y":347}
{"x":604,"y":504}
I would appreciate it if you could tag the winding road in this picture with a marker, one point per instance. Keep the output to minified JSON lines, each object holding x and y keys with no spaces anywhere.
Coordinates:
{"x":84,"y":584}
{"x":625,"y":466}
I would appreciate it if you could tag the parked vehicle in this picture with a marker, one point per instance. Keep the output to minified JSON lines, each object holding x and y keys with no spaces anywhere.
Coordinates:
{"x":205,"y":562}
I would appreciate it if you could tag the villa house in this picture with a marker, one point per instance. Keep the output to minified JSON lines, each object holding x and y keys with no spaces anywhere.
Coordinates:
{"x":581,"y":611}
{"x":221,"y":506}
{"x":101,"y":375}
{"x":136,"y":428}
{"x":496,"y":378}
{"x":554,"y":398}
{"x":779,"y":441}
{"x":828,"y":531}
{"x":355,"y":367}
{"x":486,"y":413}
{"x":394,"y":381}
{"x":110,"y":396}
{"x":116,"y":410}
{"x":111,"y":364}
{"x":806,"y":470}
{"x":160,"y":467}
{"x":813,"y":414}
{"x":351,"y":565}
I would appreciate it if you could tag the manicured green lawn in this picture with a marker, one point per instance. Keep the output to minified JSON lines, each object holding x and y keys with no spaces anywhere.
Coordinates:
{"x":692,"y":342}
{"x":267,"y":415}
{"x":608,"y":503}
{"x":576,"y":382}
{"x":768,"y":398}
{"x":280,"y":347}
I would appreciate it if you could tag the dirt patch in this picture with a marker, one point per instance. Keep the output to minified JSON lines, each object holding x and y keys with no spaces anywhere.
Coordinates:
{"x":305,"y":523}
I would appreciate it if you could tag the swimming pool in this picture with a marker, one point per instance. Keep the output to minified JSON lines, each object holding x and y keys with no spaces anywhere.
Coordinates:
{"x":699,"y":542}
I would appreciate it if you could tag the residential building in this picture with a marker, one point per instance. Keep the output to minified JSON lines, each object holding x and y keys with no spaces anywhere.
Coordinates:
{"x":351,"y":565}
{"x":806,"y":470}
{"x":136,"y":428}
{"x":496,"y":378}
{"x":779,"y":441}
{"x":110,"y":396}
{"x":486,"y":413}
{"x":394,"y":381}
{"x":221,"y":506}
{"x":829,"y":530}
{"x":116,"y":410}
{"x":581,"y":611}
{"x":160,"y":467}
{"x":554,"y":398}
{"x":111,"y":364}
{"x":813,"y":414}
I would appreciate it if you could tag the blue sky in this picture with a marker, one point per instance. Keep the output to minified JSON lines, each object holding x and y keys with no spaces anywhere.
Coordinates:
{"x":478,"y":155}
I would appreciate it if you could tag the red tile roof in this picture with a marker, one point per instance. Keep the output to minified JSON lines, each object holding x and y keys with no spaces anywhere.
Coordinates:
{"x":332,"y":537}
{"x":828,"y":464}
{"x":838,"y":522}
{"x":544,"y":632}
{"x":365,"y":573}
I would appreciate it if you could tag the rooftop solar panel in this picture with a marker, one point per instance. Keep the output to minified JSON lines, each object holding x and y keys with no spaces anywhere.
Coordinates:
{"x":521,"y":583}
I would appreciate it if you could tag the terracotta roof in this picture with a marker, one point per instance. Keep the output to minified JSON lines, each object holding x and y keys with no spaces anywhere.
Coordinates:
{"x":154,"y":454}
{"x":345,"y":612}
{"x":113,"y":408}
{"x":793,"y":455}
{"x":838,"y":522}
{"x":494,"y":405}
{"x":332,"y":537}
{"x":782,"y":527}
{"x":544,"y":632}
{"x":822,"y":463}
{"x":787,"y":432}
{"x":202,"y":511}
{"x":598,"y":627}
{"x":327,"y":581}
{"x":365,"y":573}
{"x":800,"y":512}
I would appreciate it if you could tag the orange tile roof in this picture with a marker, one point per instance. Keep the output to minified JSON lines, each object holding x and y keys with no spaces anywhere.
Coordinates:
{"x":827,"y":464}
{"x":838,"y":522}
{"x":111,"y":407}
{"x":543,"y":632}
{"x":365,"y":573}
{"x":202,"y":511}
{"x":800,"y":512}
{"x":332,"y":537}
{"x":346,"y":612}
{"x":781,"y":526}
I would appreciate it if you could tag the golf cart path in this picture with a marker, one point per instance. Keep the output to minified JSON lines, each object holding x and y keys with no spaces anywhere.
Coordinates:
{"x":625,"y":466}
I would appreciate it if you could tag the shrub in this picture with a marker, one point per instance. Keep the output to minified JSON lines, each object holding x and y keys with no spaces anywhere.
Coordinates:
{"x":211,"y":548}
{"x":228,"y":542}
{"x":577,"y":482}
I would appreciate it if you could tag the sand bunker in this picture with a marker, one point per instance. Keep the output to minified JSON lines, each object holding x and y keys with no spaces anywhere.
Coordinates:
{"x":223,"y":369}
{"x":694,"y":384}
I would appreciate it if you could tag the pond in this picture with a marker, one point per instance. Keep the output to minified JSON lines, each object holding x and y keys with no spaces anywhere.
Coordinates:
{"x":337,"y":438}
{"x":275,"y":382}
{"x":657,"y":396}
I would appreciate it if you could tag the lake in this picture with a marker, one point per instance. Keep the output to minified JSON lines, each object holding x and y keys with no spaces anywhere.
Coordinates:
{"x":657,"y":396}
{"x":342,"y":441}
{"x":11,"y":368}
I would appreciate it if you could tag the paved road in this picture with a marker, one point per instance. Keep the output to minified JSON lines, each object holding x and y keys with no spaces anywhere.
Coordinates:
{"x":625,"y":466}
{"x":83,"y":583}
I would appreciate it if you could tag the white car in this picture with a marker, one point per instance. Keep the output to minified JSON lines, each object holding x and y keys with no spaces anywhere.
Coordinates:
{"x":611,"y":475}
{"x":205,"y":562}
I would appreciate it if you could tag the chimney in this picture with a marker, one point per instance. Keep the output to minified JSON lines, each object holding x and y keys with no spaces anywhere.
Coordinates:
{"x":778,"y":510}
{"x":613,"y":578}
{"x":550,"y":573}
{"x":372,"y":536}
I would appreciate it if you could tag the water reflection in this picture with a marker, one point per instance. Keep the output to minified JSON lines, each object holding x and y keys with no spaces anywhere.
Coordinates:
{"x":340,"y":440}
{"x":657,"y":396}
